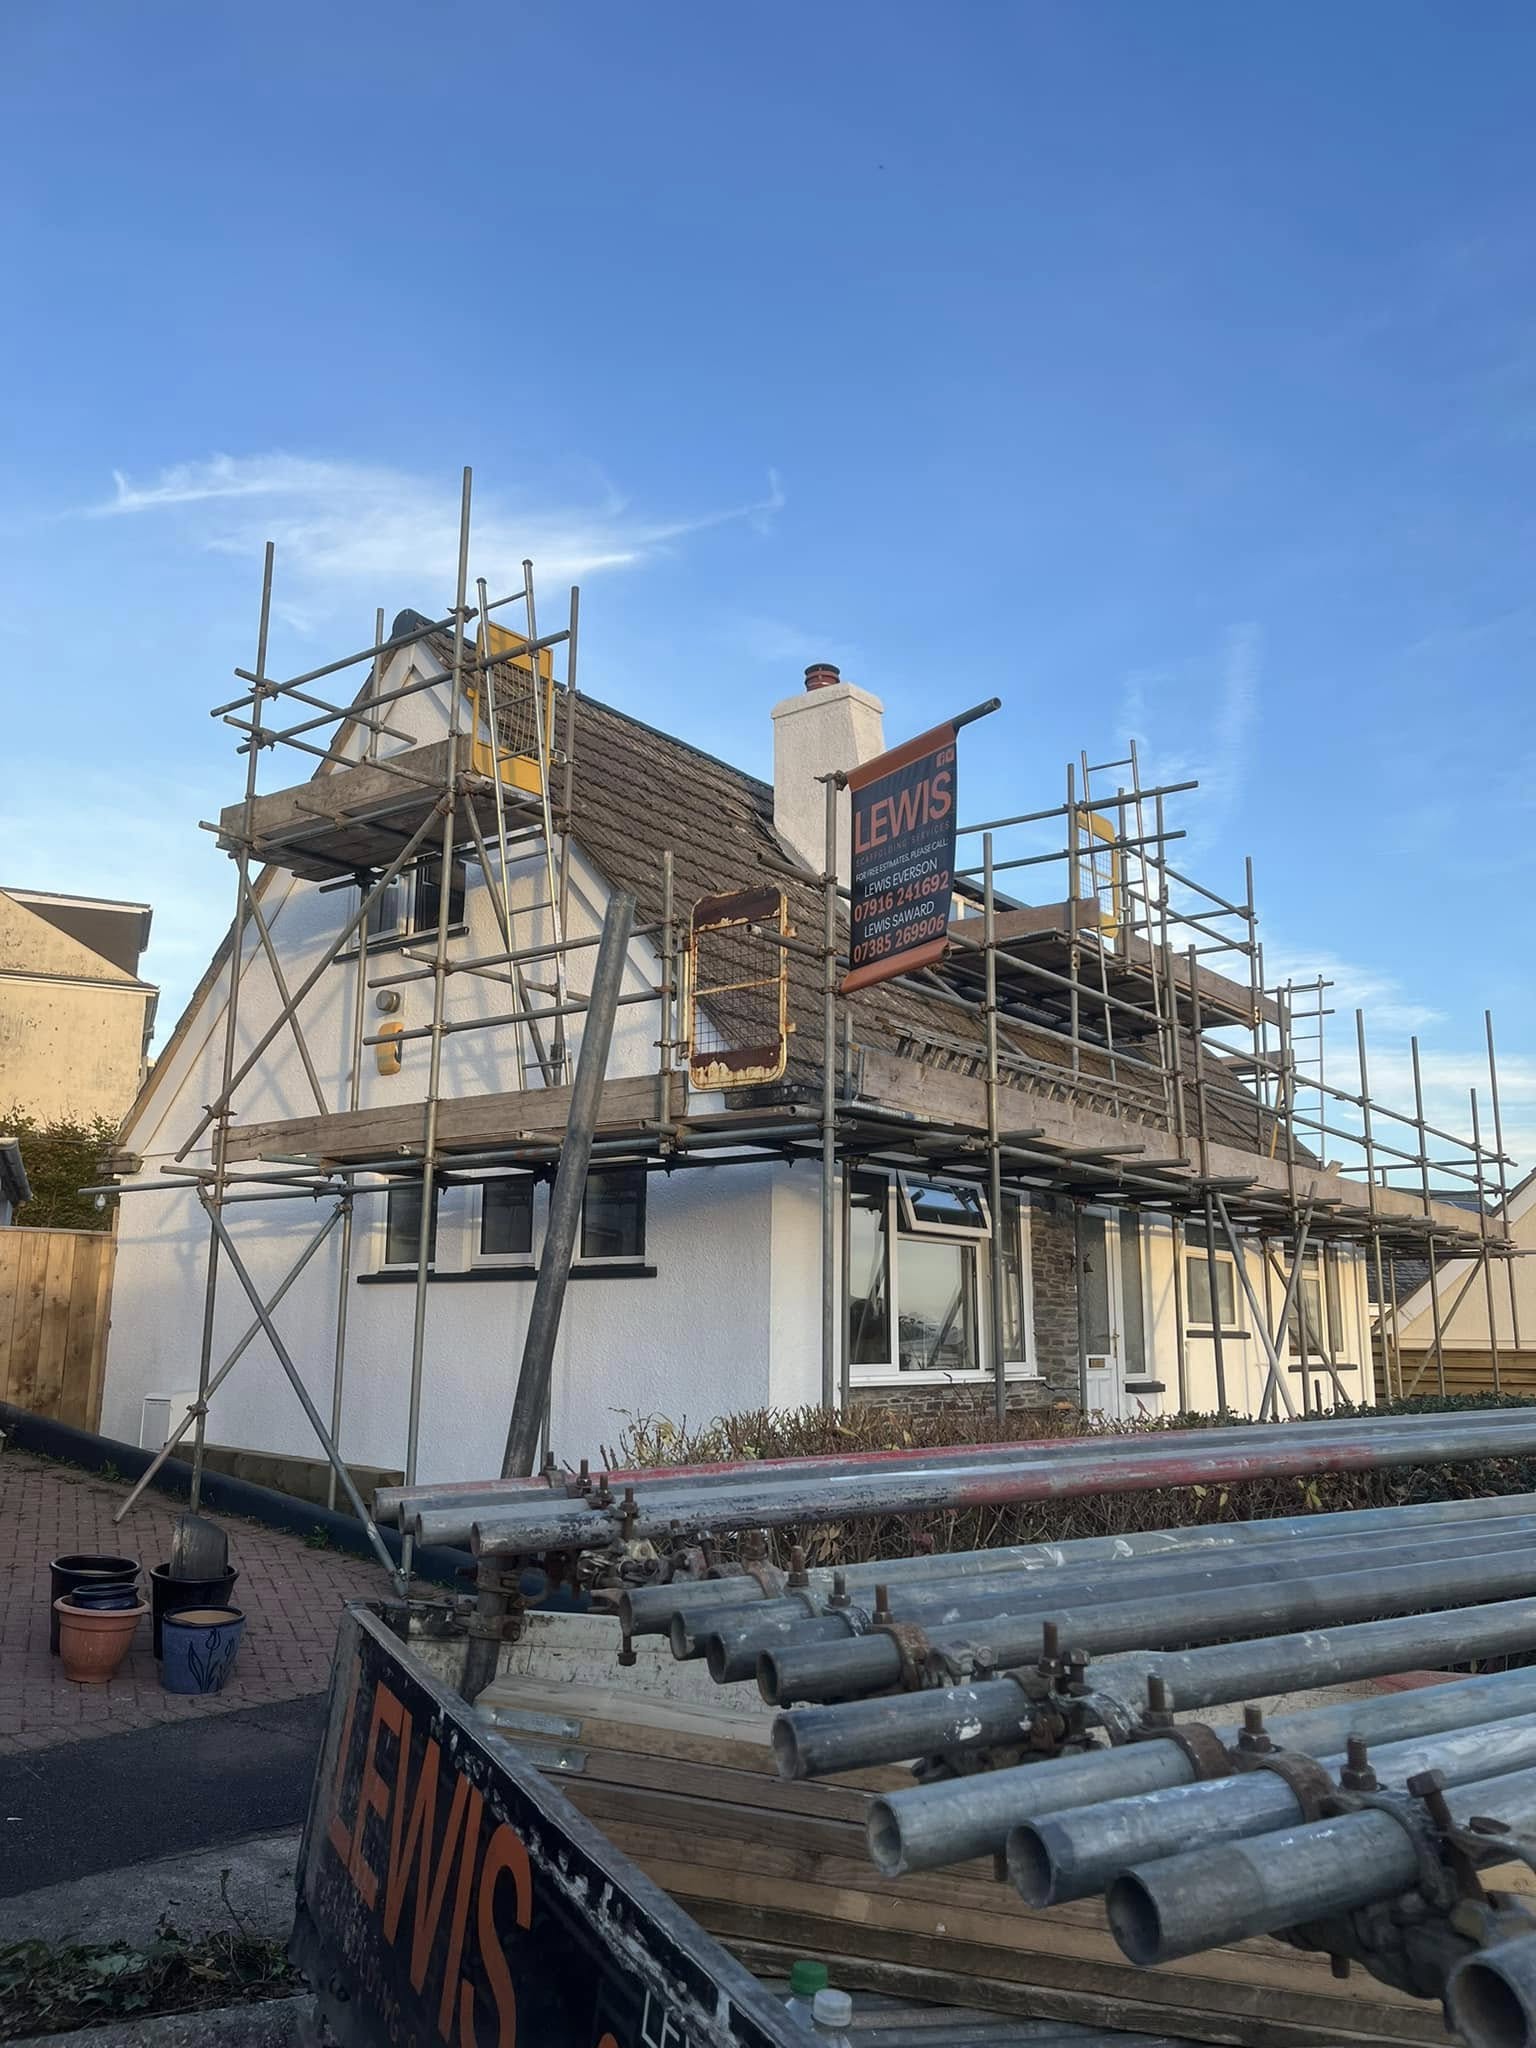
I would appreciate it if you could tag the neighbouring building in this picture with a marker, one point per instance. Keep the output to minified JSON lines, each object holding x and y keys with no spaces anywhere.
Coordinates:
{"x":1122,"y":1109}
{"x":1474,"y":1298}
{"x":75,"y":1016}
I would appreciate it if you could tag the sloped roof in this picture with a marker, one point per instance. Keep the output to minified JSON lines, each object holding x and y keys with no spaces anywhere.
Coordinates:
{"x":638,"y":792}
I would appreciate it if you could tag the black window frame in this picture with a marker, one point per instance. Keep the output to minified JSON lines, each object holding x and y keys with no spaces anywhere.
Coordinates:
{"x":632,"y":1255}
{"x":399,"y":1193}
{"x":515,"y":1184}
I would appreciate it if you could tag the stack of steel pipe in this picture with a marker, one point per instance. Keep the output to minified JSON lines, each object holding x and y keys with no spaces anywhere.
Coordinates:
{"x":523,"y":1519}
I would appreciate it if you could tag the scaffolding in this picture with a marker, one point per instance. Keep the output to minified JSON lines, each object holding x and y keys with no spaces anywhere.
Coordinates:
{"x":1118,"y":1045}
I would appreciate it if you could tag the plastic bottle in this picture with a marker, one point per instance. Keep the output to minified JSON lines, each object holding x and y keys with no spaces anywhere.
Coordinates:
{"x":806,"y":1978}
{"x":831,"y":2013}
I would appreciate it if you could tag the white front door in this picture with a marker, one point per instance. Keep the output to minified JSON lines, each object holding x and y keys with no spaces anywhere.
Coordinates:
{"x":1098,"y":1280}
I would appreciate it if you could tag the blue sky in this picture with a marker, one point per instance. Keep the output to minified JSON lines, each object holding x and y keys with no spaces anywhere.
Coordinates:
{"x":1166,"y":370}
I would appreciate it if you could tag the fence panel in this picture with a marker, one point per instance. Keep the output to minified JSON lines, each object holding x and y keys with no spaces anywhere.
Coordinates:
{"x":55,"y":1296}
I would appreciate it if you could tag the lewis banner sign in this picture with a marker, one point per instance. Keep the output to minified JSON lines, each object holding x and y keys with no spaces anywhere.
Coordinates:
{"x":903,"y":858}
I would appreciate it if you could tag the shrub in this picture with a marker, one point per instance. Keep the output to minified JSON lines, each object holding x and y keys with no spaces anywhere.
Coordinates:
{"x":61,"y":1158}
{"x":654,"y":1441}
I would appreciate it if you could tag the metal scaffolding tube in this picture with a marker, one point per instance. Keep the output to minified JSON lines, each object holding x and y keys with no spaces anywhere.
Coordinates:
{"x":1498,"y":1146}
{"x":1434,"y":1278}
{"x":232,"y":1359}
{"x":1126,"y":1466}
{"x":1183,"y":1904}
{"x":1079,"y":1852}
{"x":830,"y":1377}
{"x":818,"y":1742}
{"x":534,"y":1379}
{"x":296,"y":1381}
{"x":1320,"y":1600}
{"x":733,"y":1642}
{"x":243,"y":900}
{"x":953,"y":1819}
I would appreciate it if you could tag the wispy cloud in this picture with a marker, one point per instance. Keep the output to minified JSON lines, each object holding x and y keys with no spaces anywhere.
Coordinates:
{"x":1449,"y":1068}
{"x":1223,"y":698}
{"x":340,"y":523}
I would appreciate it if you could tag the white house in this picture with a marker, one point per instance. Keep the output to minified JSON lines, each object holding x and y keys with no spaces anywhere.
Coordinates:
{"x":696,"y":1288}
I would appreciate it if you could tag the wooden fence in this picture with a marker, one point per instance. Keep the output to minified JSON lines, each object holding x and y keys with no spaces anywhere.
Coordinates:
{"x":1467,"y":1371}
{"x":55,"y":1292}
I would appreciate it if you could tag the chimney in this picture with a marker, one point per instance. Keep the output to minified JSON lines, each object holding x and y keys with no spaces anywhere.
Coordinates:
{"x":830,"y":724}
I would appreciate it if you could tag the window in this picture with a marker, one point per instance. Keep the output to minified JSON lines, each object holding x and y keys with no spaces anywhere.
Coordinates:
{"x":1011,"y":1249}
{"x":869,"y":1272}
{"x":386,"y":915}
{"x":916,"y":1277}
{"x":406,"y":907}
{"x":506,"y":1218}
{"x":938,"y":1205}
{"x":1316,"y":1312}
{"x":1133,"y":1313}
{"x":1197,"y":1284}
{"x":613,"y":1214}
{"x":402,"y":1225}
{"x":936,"y":1306}
{"x":427,"y":895}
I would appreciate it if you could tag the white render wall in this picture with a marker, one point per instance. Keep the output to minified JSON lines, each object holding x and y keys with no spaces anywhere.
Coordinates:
{"x":691,"y":1342}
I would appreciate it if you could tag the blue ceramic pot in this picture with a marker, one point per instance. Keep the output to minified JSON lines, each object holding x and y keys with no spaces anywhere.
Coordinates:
{"x":100,"y":1599}
{"x":199,"y":1645}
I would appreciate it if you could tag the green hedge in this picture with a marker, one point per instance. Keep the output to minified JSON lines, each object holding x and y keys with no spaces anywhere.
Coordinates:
{"x":806,"y":1432}
{"x":62,"y":1157}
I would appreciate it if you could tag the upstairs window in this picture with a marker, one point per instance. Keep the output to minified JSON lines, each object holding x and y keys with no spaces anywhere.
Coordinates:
{"x":406,"y":907}
{"x":426,"y":897}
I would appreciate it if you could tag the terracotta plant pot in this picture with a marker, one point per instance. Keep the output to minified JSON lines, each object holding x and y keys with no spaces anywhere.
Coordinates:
{"x":92,"y":1645}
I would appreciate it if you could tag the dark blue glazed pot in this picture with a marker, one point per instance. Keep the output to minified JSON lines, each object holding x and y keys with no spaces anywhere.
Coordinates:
{"x":199,"y":1647}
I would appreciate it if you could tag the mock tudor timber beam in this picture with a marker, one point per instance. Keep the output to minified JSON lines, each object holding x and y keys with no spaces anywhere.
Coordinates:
{"x":954,"y":1098}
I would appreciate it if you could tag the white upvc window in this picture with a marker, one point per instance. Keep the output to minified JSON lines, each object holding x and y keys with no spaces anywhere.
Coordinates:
{"x":917,"y":1280}
{"x":1198,"y":1277}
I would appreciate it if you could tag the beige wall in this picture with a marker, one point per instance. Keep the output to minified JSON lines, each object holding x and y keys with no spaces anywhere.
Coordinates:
{"x":1464,"y":1296}
{"x":70,"y":1049}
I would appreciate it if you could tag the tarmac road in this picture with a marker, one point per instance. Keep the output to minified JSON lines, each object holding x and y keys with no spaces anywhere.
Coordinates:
{"x":121,"y":1799}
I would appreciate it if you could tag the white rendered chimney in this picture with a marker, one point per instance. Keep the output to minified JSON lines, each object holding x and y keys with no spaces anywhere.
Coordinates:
{"x":831,"y":724}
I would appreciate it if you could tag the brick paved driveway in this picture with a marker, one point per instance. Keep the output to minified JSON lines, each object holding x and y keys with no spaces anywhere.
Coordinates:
{"x":291,"y":1597}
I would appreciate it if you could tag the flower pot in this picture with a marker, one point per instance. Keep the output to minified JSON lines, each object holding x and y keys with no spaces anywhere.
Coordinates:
{"x":83,"y":1569}
{"x":92,"y":1645}
{"x":98,"y":1597}
{"x":166,"y":1595}
{"x":200,"y":1647}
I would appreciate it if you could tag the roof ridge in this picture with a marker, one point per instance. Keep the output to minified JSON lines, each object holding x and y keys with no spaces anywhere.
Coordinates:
{"x":410,"y":621}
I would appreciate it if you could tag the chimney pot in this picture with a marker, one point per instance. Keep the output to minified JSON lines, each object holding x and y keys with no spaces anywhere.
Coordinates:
{"x":821,"y":675}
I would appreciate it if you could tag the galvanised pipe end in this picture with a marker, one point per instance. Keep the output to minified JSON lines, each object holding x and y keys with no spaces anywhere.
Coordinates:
{"x":768,"y":1679}
{"x":727,"y":1665}
{"x":882,"y":1832}
{"x":1031,"y":1869}
{"x":1492,"y":1995}
{"x":1134,"y":1920}
{"x":786,"y":1749}
{"x":685,"y":1644}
